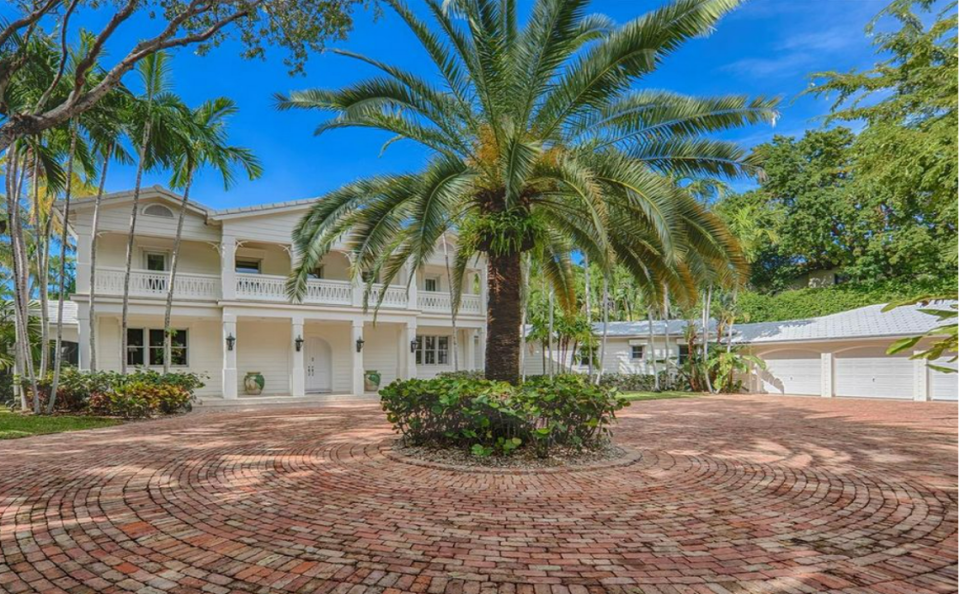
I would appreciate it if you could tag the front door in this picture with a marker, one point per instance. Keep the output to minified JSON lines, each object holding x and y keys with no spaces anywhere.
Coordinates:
{"x":317,"y":365}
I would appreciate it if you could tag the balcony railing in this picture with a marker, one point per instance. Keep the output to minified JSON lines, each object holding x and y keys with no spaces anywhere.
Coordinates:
{"x":435,"y":301}
{"x":269,"y":288}
{"x":145,"y":283}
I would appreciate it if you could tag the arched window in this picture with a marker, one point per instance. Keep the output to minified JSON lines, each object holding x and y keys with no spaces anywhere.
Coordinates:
{"x":158,"y":210}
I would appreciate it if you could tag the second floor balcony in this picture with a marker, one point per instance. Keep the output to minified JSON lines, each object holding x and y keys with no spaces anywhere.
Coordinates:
{"x":272,"y":289}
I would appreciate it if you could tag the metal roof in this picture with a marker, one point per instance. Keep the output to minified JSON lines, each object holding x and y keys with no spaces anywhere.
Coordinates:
{"x":865,"y":322}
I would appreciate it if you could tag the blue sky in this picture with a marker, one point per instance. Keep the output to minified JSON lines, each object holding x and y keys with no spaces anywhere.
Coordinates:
{"x":768,"y":47}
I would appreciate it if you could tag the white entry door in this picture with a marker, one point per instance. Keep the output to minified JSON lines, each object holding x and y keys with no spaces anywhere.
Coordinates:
{"x":871,"y":373}
{"x":317,"y":365}
{"x":791,"y":372}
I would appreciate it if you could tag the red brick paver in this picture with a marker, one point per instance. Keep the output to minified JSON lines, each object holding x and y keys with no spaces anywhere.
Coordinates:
{"x":730,"y":494}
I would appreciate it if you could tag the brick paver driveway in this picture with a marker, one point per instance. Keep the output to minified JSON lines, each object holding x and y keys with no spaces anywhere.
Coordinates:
{"x":731,"y":494}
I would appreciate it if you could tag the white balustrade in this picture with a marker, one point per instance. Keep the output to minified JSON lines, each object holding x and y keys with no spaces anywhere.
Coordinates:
{"x":437,"y":301}
{"x":145,"y":283}
{"x":329,"y":292}
{"x":393,"y":296}
{"x":261,"y":287}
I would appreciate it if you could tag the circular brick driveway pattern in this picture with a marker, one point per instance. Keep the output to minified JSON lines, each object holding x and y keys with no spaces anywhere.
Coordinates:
{"x":742,"y":494}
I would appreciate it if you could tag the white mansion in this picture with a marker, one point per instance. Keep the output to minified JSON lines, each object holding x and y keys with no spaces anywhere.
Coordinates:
{"x":232,"y":316}
{"x":230,"y":308}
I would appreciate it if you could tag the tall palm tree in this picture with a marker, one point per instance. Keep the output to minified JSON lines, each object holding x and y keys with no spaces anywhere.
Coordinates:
{"x":539,"y":144}
{"x":205,"y":143}
{"x":155,"y":122}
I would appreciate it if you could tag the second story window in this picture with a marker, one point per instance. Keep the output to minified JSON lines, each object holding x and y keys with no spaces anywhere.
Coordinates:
{"x":248,"y":266}
{"x":155,"y":261}
{"x":431,"y":284}
{"x":317,"y":272}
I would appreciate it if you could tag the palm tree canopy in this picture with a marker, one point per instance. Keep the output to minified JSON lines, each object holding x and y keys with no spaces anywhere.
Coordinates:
{"x":541,"y":142}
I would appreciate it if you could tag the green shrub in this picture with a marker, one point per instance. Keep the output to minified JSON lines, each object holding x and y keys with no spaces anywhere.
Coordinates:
{"x":141,"y":393}
{"x":134,"y":399}
{"x":489,"y":417}
{"x":470,"y":375}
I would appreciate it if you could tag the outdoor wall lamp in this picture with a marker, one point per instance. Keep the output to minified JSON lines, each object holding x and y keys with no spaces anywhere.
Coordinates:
{"x":230,"y":341}
{"x":414,"y":344}
{"x":359,"y":344}
{"x":298,"y":342}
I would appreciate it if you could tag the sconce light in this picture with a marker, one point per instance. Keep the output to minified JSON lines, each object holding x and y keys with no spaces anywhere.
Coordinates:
{"x":230,"y":341}
{"x":359,"y":344}
{"x":299,"y":343}
{"x":414,"y":345}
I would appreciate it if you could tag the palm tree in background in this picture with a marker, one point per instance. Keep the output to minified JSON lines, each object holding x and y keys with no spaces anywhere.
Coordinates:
{"x":205,"y":136}
{"x":156,"y":126}
{"x":539,"y":144}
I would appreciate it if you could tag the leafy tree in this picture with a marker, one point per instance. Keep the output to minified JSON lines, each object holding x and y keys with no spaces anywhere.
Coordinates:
{"x":298,"y":27}
{"x":539,"y":146}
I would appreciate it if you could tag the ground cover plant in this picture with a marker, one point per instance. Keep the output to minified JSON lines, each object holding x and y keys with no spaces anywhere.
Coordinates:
{"x":496,"y":418}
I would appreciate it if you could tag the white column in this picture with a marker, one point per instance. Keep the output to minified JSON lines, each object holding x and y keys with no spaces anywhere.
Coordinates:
{"x":471,"y":350}
{"x":413,"y":301}
{"x":921,"y":380}
{"x":826,"y":375}
{"x":409,"y":334}
{"x":84,"y":252}
{"x":357,"y":368}
{"x":297,"y":377}
{"x":230,"y":356}
{"x":483,"y":348}
{"x":228,"y":267}
{"x":83,"y":318}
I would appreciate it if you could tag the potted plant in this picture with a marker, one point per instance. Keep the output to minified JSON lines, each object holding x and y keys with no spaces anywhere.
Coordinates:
{"x":253,"y":383}
{"x":371,"y":380}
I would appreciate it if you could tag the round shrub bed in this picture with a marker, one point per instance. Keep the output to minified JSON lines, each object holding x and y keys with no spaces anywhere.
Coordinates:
{"x":544,"y":418}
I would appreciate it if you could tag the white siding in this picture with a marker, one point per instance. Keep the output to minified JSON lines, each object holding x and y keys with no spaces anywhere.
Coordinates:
{"x":380,"y":351}
{"x":265,"y":346}
{"x":204,"y":353}
{"x":276,"y":228}
{"x":117,"y":218}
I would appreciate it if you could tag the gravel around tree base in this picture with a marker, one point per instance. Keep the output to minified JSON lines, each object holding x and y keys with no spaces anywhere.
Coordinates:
{"x":524,"y":459}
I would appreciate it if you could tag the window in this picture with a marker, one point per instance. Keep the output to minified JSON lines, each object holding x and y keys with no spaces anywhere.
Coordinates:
{"x":150,"y":350}
{"x":156,"y":261}
{"x":432,"y":350}
{"x":431,"y":284}
{"x":683,"y":353}
{"x":248,"y":266}
{"x":584,"y":356}
{"x":443,"y":350}
{"x":158,"y":210}
{"x":367,"y":276}
{"x":636,"y":351}
{"x":317,"y":272}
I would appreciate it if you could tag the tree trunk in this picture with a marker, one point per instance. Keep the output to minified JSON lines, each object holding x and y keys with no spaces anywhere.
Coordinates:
{"x":64,"y":237}
{"x":606,"y":322}
{"x":93,"y":259}
{"x":524,"y":294}
{"x":503,"y":317}
{"x":453,"y":308}
{"x":551,"y":357}
{"x":133,"y":227}
{"x":586,"y":285}
{"x":706,"y":336}
{"x":171,"y":282}
{"x":42,"y":254}
{"x":666,"y":335}
{"x":653,"y":352}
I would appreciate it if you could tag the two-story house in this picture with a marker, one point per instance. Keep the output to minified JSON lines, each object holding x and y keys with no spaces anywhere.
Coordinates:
{"x":230,"y":309}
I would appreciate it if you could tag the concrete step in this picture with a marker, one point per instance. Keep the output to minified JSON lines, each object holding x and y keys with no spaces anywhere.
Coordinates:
{"x":215,"y":401}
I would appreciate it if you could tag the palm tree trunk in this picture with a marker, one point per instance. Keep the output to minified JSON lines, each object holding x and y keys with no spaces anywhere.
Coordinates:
{"x":706,"y":331}
{"x":551,"y":358}
{"x":64,"y":237}
{"x":453,"y":308}
{"x":20,"y":273}
{"x":653,"y":353}
{"x":586,"y":285}
{"x":171,"y":282}
{"x":503,"y":317}
{"x":93,"y":259}
{"x":141,"y":158}
{"x":666,"y":333}
{"x":524,"y":294}
{"x":41,"y":255}
{"x":606,"y":322}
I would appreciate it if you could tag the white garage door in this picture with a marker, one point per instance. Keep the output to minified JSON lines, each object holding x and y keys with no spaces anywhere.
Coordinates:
{"x":943,"y":386}
{"x":871,"y":373}
{"x":791,"y":372}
